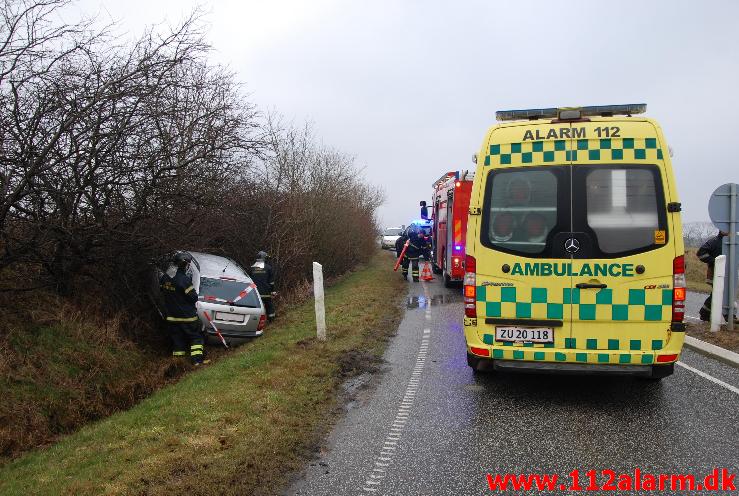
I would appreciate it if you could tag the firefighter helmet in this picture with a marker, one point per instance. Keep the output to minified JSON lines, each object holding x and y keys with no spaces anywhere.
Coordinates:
{"x":181,"y":258}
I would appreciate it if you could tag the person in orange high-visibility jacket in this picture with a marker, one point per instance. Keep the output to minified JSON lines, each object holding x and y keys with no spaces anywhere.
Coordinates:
{"x":180,"y":298}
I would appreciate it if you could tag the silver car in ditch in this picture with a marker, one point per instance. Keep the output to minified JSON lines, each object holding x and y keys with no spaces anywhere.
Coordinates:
{"x":226,"y":293}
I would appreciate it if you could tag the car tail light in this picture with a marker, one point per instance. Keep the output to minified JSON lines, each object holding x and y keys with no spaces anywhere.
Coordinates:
{"x":470,"y":286}
{"x":678,"y":289}
{"x":262,"y":322}
{"x":666,"y":358}
{"x":480,"y":351}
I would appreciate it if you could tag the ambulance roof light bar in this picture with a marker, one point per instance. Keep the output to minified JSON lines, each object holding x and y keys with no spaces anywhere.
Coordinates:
{"x":569,"y":113}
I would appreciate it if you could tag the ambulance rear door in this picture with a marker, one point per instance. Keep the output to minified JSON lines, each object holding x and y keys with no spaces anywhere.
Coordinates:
{"x":522,"y":280}
{"x":622,"y":268}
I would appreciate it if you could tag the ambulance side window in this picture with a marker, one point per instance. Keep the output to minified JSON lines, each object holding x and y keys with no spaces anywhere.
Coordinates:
{"x":623,"y":207}
{"x":521,"y":209}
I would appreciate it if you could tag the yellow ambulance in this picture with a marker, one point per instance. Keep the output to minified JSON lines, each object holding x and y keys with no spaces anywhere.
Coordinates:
{"x":574,"y":245}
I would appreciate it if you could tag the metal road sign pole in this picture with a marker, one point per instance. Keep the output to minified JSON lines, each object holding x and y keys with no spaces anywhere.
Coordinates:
{"x":723,"y":209}
{"x":732,"y":255}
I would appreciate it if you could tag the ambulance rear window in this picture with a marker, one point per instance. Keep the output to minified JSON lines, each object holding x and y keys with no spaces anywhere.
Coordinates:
{"x":522,"y":209}
{"x":624,"y":207}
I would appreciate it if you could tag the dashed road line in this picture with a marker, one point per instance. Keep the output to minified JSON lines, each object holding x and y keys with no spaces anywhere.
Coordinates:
{"x":395,"y":431}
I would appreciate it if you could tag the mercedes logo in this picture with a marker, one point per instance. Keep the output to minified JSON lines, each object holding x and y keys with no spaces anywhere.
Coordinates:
{"x":572,"y":245}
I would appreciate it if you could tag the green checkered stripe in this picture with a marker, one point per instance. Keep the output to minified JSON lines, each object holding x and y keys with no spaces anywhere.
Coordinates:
{"x":542,"y":303}
{"x":624,"y":149}
{"x":528,"y":152}
{"x":551,"y":151}
{"x":600,"y":356}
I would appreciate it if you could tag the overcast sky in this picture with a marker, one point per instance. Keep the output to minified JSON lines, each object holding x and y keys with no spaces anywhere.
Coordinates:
{"x":410,"y":87}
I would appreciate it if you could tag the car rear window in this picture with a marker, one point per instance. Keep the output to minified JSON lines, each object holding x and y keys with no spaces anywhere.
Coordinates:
{"x":521,"y":209}
{"x":624,"y":207}
{"x":392,"y":232}
{"x":227,"y":291}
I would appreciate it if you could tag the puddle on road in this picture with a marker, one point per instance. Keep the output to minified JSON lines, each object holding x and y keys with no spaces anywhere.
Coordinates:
{"x":435,"y":300}
{"x":475,"y":388}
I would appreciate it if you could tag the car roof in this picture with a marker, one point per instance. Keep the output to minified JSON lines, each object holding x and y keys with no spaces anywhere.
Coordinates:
{"x":214,"y":265}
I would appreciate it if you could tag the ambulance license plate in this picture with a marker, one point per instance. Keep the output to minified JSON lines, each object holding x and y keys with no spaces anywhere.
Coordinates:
{"x":229,"y":317}
{"x":525,"y":334}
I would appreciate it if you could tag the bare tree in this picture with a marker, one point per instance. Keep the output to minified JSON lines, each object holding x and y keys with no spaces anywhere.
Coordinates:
{"x":110,"y":154}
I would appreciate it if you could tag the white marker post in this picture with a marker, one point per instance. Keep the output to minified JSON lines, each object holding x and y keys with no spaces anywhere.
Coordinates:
{"x":320,"y":306}
{"x":717,"y":293}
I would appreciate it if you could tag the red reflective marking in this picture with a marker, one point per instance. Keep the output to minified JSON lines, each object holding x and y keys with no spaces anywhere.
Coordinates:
{"x":480,"y":351}
{"x":666,"y":358}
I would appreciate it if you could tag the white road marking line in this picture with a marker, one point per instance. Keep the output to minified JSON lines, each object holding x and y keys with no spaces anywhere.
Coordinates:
{"x":721,"y":383}
{"x":402,"y":414}
{"x":692,"y":318}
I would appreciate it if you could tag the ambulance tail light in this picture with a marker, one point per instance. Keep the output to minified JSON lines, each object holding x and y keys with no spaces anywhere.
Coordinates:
{"x":470,"y":286}
{"x":678,"y":289}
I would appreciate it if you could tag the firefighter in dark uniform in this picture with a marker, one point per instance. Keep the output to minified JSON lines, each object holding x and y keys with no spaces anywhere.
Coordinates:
{"x":426,"y":248}
{"x":263,"y":276}
{"x":182,"y":315}
{"x":707,"y":254}
{"x":399,"y":249}
{"x":416,"y":247}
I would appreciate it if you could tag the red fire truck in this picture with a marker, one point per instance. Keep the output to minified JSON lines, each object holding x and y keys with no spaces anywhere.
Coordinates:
{"x":451,"y":201}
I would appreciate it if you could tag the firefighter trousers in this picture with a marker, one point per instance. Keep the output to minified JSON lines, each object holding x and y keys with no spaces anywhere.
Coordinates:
{"x":186,"y":337}
{"x":269,"y":306}
{"x":414,"y":267}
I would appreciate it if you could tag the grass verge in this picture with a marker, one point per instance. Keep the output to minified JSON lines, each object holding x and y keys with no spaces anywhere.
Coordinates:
{"x":240,"y":425}
{"x":62,"y":367}
{"x":724,"y":338}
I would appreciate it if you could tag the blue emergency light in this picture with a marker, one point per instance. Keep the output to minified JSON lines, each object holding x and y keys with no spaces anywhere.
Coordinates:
{"x":569,"y":113}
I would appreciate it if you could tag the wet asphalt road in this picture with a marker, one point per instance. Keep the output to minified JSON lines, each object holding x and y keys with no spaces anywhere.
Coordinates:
{"x":427,"y":426}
